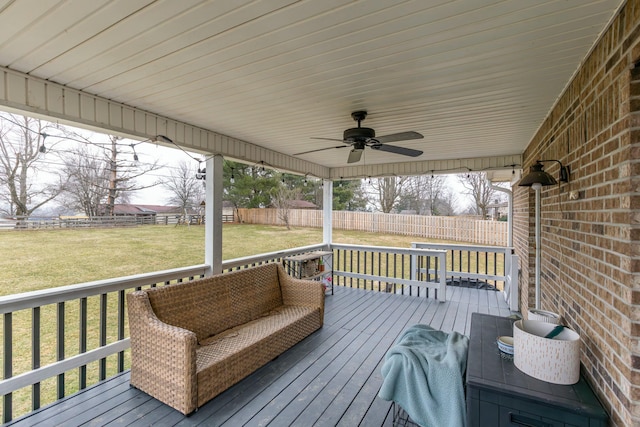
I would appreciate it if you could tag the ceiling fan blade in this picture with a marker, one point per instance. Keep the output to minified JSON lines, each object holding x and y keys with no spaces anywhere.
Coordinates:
{"x":355,"y":155}
{"x":397,"y":150}
{"x":402,"y":136}
{"x":330,"y":139}
{"x":320,"y":149}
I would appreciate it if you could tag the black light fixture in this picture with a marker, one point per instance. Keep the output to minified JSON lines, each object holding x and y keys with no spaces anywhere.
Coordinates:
{"x":536,"y":179}
{"x":232,"y":180}
{"x":537,"y":175}
{"x":135,"y":155}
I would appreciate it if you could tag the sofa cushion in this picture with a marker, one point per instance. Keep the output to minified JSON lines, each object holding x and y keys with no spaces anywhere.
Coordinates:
{"x":234,"y":354}
{"x":214,"y":304}
{"x":253,"y":292}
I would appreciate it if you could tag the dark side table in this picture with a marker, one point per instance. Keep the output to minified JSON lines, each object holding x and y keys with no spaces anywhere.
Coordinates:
{"x":500,"y":395}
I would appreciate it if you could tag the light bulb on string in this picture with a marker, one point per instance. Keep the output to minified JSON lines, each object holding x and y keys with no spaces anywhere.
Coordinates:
{"x":42,"y":148}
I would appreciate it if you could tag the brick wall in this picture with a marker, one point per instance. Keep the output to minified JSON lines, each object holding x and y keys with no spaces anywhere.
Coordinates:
{"x":590,"y":246}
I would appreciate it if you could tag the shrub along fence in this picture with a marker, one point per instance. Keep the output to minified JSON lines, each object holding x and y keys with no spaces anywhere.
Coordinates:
{"x":454,"y":228}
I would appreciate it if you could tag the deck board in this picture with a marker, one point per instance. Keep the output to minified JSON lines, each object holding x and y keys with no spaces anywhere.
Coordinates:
{"x":330,"y":378}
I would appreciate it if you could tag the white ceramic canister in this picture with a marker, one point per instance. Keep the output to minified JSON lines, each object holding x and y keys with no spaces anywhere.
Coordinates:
{"x":544,"y":316}
{"x":555,"y":360}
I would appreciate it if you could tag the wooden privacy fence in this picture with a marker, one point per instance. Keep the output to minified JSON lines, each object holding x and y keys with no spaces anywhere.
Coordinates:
{"x":458,"y":229}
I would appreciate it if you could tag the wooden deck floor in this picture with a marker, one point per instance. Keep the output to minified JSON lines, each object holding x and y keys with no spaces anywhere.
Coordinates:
{"x":330,"y":378}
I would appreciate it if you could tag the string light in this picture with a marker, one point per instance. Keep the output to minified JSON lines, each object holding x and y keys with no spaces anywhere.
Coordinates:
{"x":42,"y":148}
{"x":232,"y":180}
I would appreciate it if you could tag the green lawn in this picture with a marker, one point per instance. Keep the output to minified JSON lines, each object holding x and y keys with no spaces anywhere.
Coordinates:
{"x":41,"y":259}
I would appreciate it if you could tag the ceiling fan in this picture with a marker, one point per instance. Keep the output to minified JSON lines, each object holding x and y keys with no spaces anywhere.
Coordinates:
{"x":360,"y":137}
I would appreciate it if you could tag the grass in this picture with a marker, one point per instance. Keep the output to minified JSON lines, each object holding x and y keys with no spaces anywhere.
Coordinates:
{"x":41,"y":259}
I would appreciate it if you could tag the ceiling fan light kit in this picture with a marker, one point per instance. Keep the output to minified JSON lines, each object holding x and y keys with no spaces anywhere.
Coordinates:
{"x":360,"y":137}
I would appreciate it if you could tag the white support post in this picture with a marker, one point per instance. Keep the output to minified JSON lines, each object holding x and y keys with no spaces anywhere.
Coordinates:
{"x":213,"y":215}
{"x":413,"y":264}
{"x":327,"y":212}
{"x":511,"y":291}
{"x":537,"y":188}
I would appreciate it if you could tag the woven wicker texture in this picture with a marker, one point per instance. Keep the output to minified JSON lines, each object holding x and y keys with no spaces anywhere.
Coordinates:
{"x":191,"y":341}
{"x":163,"y":357}
{"x":238,"y":352}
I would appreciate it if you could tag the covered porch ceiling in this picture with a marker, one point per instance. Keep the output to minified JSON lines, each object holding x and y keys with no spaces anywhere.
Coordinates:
{"x":259,"y":79}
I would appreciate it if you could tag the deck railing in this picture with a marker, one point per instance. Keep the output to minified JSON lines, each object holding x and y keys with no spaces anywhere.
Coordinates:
{"x":74,"y":326}
{"x":488,"y":267}
{"x":468,"y":265}
{"x":389,"y":269}
{"x":57,"y":341}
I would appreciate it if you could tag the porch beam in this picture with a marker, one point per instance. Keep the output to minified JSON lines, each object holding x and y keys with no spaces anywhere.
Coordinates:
{"x":435,"y":167}
{"x":29,"y":95}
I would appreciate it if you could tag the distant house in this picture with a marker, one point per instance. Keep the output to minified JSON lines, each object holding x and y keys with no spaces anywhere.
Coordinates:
{"x":151,"y":214}
{"x":144,"y":210}
{"x":145,"y":213}
{"x":498,"y":209}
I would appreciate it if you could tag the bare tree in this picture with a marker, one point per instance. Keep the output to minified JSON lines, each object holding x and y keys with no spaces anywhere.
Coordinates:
{"x":103,"y":176}
{"x":448,"y":203}
{"x":424,"y":194}
{"x":480,"y":190}
{"x":22,"y":153}
{"x":186,"y":191}
{"x":88,"y":181}
{"x":282,"y":202}
{"x":388,"y":191}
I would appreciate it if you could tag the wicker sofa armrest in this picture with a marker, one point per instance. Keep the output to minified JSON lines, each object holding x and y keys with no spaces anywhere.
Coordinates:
{"x":301,"y":292}
{"x":163,"y":357}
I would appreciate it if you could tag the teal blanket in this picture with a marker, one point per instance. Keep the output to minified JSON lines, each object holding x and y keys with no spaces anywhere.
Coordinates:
{"x":424,"y":373}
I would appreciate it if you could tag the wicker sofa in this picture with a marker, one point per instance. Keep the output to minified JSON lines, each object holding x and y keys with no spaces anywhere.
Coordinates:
{"x":191,"y":341}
